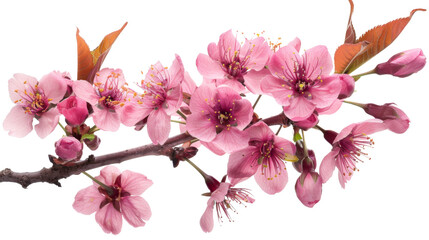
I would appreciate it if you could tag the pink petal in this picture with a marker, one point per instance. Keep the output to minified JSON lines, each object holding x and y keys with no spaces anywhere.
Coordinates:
{"x":206,"y":221}
{"x":295,"y":43}
{"x":208,"y":67}
{"x":18,"y":123}
{"x":400,"y":124}
{"x":109,"y":174}
{"x":105,"y":119}
{"x":213,"y":51}
{"x":278,"y":89}
{"x":259,"y":131}
{"x":324,"y":95}
{"x":18,"y":84}
{"x":135,"y":209}
{"x":335,"y":106}
{"x":228,"y":44}
{"x":109,"y":219}
{"x":110,"y":74}
{"x":243,"y":163}
{"x":299,"y":109}
{"x":200,"y":127}
{"x":176,"y":72}
{"x":88,"y":200}
{"x":54,"y":86}
{"x":253,"y":80}
{"x":328,"y":165}
{"x":188,"y":85}
{"x":274,"y":179}
{"x":345,"y":132}
{"x":318,"y":62}
{"x":231,"y":140}
{"x":132,"y":113}
{"x":233,"y":83}
{"x":134,"y":183}
{"x":85,"y":91}
{"x":284,"y":146}
{"x":243,"y":112}
{"x":369,"y":127}
{"x":212,"y":147}
{"x":256,"y":52}
{"x":158,"y":126}
{"x":47,"y":123}
{"x":283,"y":62}
{"x":202,"y":98}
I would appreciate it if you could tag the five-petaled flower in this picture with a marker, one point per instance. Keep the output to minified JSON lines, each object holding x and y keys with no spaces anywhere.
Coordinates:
{"x":119,"y":197}
{"x":264,"y":158}
{"x":34,"y":99}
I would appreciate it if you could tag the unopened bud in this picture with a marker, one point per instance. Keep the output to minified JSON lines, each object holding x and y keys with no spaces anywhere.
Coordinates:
{"x":308,"y":188}
{"x":403,"y":64}
{"x":68,"y":148}
{"x":92,"y":144}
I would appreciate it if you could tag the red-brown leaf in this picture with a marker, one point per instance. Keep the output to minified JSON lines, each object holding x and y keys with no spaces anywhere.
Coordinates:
{"x":350,"y":33}
{"x":346,"y":53}
{"x":379,"y":38}
{"x":106,"y":44}
{"x":84,"y":58}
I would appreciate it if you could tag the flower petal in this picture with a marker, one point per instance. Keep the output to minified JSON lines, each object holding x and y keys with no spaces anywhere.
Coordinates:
{"x":158,"y":126}
{"x":328,"y":165}
{"x":134,"y":183}
{"x":317,"y":62}
{"x":299,"y":109}
{"x":243,"y":163}
{"x":253,"y":80}
{"x":54,"y":86}
{"x":108,"y":175}
{"x":200,"y":127}
{"x":18,"y":123}
{"x":20,"y":83}
{"x":106,"y":119}
{"x":135,"y":209}
{"x":109,"y":219}
{"x":255,"y":53}
{"x":47,"y":123}
{"x":206,"y":221}
{"x":231,"y":140}
{"x":85,"y":91}
{"x":176,"y":72}
{"x":208,"y":67}
{"x":270,"y":178}
{"x":88,"y":200}
{"x":277,"y":88}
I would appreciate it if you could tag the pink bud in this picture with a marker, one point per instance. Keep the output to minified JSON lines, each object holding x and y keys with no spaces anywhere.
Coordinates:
{"x":308,"y":188}
{"x":307,"y":123}
{"x":394,"y":118}
{"x":74,"y":110}
{"x":304,"y":164}
{"x":68,"y":148}
{"x":403,"y":64}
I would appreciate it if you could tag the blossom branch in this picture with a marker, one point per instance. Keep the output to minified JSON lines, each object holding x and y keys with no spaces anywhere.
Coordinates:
{"x":57,"y":172}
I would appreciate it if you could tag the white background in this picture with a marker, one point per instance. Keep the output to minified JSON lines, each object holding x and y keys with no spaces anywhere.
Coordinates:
{"x":387,"y":199}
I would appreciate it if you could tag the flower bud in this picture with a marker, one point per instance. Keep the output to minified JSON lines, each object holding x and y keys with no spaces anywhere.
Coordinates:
{"x":304,"y":164}
{"x":308,"y":188}
{"x":403,"y":64}
{"x":74,"y":110}
{"x":68,"y":148}
{"x":92,"y":144}
{"x":394,"y":118}
{"x":307,"y":123}
{"x":347,"y":86}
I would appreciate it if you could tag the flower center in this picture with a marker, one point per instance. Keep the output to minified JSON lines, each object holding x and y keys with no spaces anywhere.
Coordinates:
{"x":33,"y":100}
{"x":114,"y":195}
{"x":351,"y":149}
{"x":110,"y":93}
{"x":238,"y":195}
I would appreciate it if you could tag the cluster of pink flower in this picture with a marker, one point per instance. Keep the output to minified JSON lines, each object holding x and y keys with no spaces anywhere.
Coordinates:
{"x":217,"y":114}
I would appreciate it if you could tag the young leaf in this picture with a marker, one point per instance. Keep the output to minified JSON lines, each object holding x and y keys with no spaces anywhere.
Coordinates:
{"x":379,"y":38}
{"x":350,"y":33}
{"x":89,"y":62}
{"x":346,"y":53}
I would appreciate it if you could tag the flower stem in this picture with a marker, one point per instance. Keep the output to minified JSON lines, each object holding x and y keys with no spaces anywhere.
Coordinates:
{"x":175,"y":121}
{"x":278,"y":131}
{"x":319,"y":128}
{"x":304,"y":144}
{"x":256,"y":102}
{"x":107,"y":188}
{"x":62,"y":127}
{"x":356,"y":77}
{"x":181,"y":114}
{"x":196,"y":168}
{"x":355,"y":103}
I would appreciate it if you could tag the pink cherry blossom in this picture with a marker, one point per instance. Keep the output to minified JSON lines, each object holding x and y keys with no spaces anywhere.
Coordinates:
{"x":264,"y":158}
{"x":34,"y":99}
{"x":106,"y":97}
{"x":301,"y":83}
{"x":348,"y":148}
{"x":161,"y":99}
{"x":120,"y":200}
{"x":68,"y":148}
{"x":74,"y":110}
{"x":228,"y":62}
{"x":403,"y":64}
{"x":221,"y":197}
{"x":308,"y":188}
{"x":218,"y":116}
